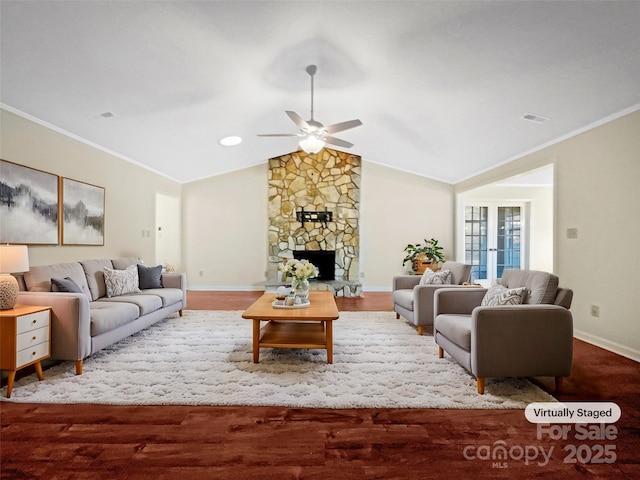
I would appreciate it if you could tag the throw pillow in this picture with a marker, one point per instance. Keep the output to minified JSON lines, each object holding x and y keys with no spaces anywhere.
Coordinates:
{"x":501,"y":295}
{"x":65,"y":285}
{"x":429,"y":277}
{"x":149,"y":277}
{"x":121,"y":282}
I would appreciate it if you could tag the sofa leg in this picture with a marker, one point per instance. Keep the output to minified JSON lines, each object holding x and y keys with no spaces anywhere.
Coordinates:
{"x":440,"y":352}
{"x":480,"y":381}
{"x":397,"y":316}
{"x":180,"y":312}
{"x":78,"y":367}
{"x":420,"y":329}
{"x":558,"y":384}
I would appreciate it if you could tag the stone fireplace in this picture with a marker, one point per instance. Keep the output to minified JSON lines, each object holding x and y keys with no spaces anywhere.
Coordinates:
{"x":314,"y":203}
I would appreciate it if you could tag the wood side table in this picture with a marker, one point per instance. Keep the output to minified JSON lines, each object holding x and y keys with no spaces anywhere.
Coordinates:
{"x":25,"y":333}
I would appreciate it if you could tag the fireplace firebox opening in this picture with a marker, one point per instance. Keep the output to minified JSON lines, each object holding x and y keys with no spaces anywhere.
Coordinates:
{"x":324,"y":260}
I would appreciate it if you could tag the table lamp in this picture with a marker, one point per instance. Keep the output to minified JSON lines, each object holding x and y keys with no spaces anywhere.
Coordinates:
{"x":13,"y":259}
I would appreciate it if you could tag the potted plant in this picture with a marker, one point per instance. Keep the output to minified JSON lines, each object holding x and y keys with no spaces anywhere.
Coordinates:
{"x":424,"y":255}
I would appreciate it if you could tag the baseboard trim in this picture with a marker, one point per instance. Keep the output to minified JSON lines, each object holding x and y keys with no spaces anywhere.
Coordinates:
{"x":222,"y":288}
{"x":261,"y":287}
{"x":608,"y":345}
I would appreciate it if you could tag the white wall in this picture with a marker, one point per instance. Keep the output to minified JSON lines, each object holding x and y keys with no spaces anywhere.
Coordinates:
{"x":398,"y":208}
{"x":130,"y":190}
{"x":225,"y":221}
{"x":225,"y":225}
{"x":596,"y":191}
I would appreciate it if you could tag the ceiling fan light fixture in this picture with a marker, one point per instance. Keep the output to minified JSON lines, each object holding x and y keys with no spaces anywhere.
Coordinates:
{"x":311,"y":144}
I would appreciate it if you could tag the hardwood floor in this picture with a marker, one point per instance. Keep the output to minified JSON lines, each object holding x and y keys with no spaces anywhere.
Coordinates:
{"x":169,"y":442}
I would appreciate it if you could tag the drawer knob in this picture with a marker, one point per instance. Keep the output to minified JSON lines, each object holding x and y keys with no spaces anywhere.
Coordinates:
{"x":35,"y":321}
{"x":34,"y":353}
{"x":33,"y":338}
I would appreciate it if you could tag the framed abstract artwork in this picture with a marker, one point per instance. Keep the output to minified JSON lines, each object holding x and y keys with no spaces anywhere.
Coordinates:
{"x":82,"y":213}
{"x":29,"y":205}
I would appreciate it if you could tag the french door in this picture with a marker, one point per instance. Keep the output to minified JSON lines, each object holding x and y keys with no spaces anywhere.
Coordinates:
{"x":494,"y":239}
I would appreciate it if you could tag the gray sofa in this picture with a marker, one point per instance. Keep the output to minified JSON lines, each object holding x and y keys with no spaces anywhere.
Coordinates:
{"x":89,"y":320}
{"x":531,"y":339}
{"x":414,"y":302}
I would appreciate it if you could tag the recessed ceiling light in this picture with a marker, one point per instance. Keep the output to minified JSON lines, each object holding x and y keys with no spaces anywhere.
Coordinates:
{"x":533,"y":117}
{"x":230,"y":141}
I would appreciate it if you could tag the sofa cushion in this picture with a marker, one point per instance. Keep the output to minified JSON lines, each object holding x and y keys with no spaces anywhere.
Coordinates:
{"x":460,"y":272}
{"x":94,"y":271}
{"x":404,"y":298}
{"x":121,"y":282}
{"x":65,"y":285}
{"x":429,"y":277}
{"x":38,"y":279}
{"x":124,"y":262}
{"x":146,"y":303}
{"x":149,"y":277}
{"x":542,"y":286}
{"x":169,"y":296}
{"x":457,"y":328}
{"x":501,"y":295}
{"x":107,"y":316}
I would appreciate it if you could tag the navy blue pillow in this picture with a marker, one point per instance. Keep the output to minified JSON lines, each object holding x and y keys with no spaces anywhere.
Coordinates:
{"x":149,"y":277}
{"x":65,"y":285}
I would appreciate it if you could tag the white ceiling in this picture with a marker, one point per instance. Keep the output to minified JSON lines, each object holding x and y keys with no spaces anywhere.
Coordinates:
{"x":439,"y":86}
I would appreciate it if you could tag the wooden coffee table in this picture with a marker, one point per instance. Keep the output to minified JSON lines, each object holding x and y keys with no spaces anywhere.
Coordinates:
{"x":306,"y":327}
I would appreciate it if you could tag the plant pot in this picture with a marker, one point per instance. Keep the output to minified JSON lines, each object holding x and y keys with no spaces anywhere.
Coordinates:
{"x":421,"y":263}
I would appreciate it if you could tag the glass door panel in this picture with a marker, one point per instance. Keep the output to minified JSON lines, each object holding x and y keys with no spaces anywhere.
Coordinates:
{"x":492,"y":240}
{"x":508,"y":239}
{"x":476,"y":240}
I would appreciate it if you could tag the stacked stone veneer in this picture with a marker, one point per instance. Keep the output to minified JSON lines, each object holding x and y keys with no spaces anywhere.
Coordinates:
{"x":327,"y":180}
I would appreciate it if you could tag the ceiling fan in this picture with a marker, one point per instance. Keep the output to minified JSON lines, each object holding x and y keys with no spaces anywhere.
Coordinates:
{"x":314,"y":134}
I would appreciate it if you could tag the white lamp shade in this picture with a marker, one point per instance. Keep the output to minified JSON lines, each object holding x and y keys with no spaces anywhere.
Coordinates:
{"x":14,"y":258}
{"x":311,"y":144}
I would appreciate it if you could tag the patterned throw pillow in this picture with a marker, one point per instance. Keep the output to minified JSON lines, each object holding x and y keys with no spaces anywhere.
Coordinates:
{"x":121,"y":282}
{"x":501,"y":295}
{"x":429,"y":277}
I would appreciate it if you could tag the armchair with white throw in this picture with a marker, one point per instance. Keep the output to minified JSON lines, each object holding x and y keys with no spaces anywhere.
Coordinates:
{"x":414,"y":300}
{"x":521,"y":328}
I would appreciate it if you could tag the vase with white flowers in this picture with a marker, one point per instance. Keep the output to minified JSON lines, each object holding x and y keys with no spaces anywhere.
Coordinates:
{"x":300,"y":272}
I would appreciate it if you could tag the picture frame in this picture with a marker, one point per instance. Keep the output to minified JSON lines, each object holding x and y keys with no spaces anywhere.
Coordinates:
{"x":82,"y":213}
{"x":29,"y":205}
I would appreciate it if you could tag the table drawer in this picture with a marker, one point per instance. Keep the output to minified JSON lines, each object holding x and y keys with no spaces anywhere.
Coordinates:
{"x":31,"y":354}
{"x":32,"y":321}
{"x":34,"y":337}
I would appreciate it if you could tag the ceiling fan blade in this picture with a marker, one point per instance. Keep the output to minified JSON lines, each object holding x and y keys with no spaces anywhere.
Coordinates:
{"x":338,"y":142}
{"x":339,"y":127}
{"x":298,"y":120}
{"x":279,"y":135}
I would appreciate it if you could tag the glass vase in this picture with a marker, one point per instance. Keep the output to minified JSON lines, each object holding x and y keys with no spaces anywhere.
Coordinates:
{"x":300,"y":288}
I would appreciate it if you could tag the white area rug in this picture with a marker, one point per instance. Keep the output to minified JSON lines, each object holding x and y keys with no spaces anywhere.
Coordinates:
{"x":205,"y":358}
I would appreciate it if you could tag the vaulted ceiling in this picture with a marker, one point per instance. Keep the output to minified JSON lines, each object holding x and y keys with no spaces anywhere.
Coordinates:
{"x":441,"y":87}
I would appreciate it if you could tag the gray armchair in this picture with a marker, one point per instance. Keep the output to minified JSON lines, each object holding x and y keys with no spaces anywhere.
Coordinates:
{"x":528,"y":340}
{"x":414,"y":302}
